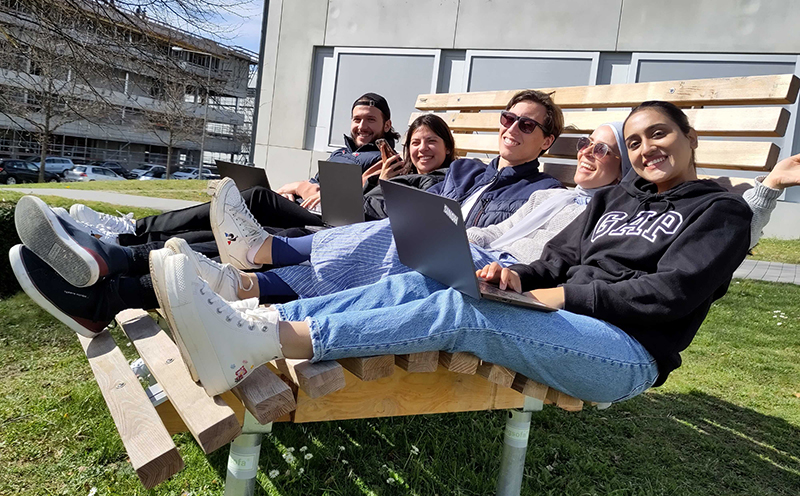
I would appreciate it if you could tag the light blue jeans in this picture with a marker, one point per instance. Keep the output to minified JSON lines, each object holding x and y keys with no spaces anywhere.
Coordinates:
{"x":409,"y":313}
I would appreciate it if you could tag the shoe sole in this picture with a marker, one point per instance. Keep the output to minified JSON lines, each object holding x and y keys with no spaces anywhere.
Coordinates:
{"x":157,"y":262}
{"x":41,"y":231}
{"x":21,"y":273}
{"x":179,"y":279}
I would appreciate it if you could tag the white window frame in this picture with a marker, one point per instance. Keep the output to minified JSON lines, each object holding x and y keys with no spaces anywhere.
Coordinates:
{"x":331,"y":85}
{"x":531,"y":54}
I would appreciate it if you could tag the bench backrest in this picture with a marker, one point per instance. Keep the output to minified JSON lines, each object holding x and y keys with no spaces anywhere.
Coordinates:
{"x":738,"y":112}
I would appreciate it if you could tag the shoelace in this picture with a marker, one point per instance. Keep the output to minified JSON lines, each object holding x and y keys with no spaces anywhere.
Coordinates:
{"x":222,"y":308}
{"x":221,"y":268}
{"x":250,"y":226}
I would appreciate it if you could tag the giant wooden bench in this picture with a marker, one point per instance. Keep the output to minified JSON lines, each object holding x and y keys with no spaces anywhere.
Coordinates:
{"x":737,"y":112}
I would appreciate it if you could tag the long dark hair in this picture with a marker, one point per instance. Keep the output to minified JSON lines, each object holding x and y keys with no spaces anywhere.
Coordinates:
{"x":440,"y":129}
{"x":670,"y":111}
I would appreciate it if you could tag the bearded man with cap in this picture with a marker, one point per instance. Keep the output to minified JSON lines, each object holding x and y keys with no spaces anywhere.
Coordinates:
{"x":370,"y":119}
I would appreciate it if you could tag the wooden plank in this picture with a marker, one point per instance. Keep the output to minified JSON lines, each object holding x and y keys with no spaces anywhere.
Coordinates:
{"x":174,"y":424}
{"x":731,"y":122}
{"x":369,"y":368}
{"x":407,"y":393}
{"x":150,"y":449}
{"x":210,"y":420}
{"x":497,"y":374}
{"x":563,"y":401}
{"x":460,"y":362}
{"x":737,"y":155}
{"x":315,"y":379}
{"x":265,"y":395}
{"x":529,"y":388}
{"x":427,"y":361}
{"x":751,"y":90}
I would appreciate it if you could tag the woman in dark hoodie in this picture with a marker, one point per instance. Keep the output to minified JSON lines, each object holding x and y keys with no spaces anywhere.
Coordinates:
{"x":633,"y":278}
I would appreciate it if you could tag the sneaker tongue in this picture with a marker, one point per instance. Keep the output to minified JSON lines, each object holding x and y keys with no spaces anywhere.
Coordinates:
{"x":245,"y":305}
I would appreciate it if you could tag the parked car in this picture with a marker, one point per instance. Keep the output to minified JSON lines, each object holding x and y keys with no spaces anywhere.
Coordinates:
{"x":91,"y":173}
{"x":14,"y":171}
{"x":55,"y":164}
{"x":117,"y":167}
{"x":157,"y":172}
{"x":192,"y":173}
{"x":143,"y":168}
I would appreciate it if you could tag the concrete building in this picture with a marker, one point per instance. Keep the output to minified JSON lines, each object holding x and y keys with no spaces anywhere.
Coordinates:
{"x":223,"y":71}
{"x":319,"y":55}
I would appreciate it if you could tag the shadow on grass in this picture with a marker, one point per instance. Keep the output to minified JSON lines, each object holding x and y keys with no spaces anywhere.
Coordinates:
{"x":669,"y":443}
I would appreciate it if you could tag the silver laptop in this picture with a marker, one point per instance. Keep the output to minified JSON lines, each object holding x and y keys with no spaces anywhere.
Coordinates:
{"x":431,"y":238}
{"x":341,"y":193}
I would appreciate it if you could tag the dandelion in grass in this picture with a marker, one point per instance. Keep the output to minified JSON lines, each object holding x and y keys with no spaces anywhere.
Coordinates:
{"x":289,"y":458}
{"x":274,"y":473}
{"x":290,"y":450}
{"x":308,"y":456}
{"x":303,"y":449}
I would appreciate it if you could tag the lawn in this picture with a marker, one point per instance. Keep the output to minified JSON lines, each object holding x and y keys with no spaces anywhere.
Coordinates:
{"x":178,"y":190}
{"x":778,"y":250}
{"x":726,"y":423}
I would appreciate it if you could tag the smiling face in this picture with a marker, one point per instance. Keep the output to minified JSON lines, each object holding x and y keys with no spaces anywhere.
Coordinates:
{"x":367,"y":124}
{"x":659,"y":151}
{"x":427,"y":150}
{"x":593,"y":173}
{"x":517,"y":147}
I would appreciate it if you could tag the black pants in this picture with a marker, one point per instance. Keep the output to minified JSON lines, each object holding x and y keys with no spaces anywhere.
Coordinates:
{"x":194,"y":223}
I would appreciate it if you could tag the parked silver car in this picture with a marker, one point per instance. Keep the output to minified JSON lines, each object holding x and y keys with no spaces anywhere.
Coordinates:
{"x":56,"y":165}
{"x":141,"y":169}
{"x":91,"y":173}
{"x":157,"y":172}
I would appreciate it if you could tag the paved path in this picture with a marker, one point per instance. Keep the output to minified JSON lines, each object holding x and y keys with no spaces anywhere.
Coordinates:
{"x":109,"y":197}
{"x":768,"y":271}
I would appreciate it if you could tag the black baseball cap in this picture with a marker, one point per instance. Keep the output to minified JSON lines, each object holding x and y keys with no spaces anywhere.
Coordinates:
{"x":373,"y":100}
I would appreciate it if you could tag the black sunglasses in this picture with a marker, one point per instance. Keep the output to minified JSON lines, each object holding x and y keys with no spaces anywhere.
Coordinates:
{"x":599,"y":150}
{"x":526,"y":124}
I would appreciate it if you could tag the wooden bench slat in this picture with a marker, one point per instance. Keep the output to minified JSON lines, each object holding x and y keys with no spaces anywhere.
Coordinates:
{"x":369,"y":368}
{"x":427,"y":361}
{"x":150,"y":448}
{"x":739,"y":155}
{"x":265,"y":395}
{"x":406,"y":393}
{"x":563,"y":401}
{"x":315,"y":379}
{"x":497,"y":374}
{"x":732,"y":122}
{"x":529,"y":387}
{"x":174,"y":424}
{"x":750,"y":90}
{"x":210,"y":420}
{"x":459,"y":362}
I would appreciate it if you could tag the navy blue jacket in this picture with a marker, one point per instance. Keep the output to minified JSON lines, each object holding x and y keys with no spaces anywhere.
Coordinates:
{"x":511,"y":187}
{"x":365,"y":156}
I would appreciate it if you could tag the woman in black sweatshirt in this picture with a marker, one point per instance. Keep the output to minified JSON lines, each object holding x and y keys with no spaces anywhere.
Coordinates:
{"x":633,"y":278}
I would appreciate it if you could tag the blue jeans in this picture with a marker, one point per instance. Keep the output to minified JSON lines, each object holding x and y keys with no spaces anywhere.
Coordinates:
{"x":409,"y":313}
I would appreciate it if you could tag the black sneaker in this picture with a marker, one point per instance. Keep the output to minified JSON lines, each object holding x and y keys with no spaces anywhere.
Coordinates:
{"x":86,"y":311}
{"x":78,"y":257}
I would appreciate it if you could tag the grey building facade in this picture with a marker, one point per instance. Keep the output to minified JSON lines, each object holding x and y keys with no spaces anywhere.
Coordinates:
{"x":319,"y":55}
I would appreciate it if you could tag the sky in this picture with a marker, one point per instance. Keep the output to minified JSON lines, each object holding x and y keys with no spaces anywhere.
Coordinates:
{"x":244,"y":29}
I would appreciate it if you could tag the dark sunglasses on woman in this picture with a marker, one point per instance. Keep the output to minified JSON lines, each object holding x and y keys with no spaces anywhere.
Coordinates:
{"x":526,"y":124}
{"x":599,"y":150}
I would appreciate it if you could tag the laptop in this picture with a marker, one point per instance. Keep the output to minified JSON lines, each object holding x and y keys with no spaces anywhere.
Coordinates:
{"x":244,"y":176}
{"x":341,"y":193}
{"x":431,"y":238}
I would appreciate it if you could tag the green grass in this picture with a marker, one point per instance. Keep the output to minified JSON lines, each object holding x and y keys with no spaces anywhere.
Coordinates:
{"x":177,"y":190}
{"x":778,"y":250}
{"x":726,"y":423}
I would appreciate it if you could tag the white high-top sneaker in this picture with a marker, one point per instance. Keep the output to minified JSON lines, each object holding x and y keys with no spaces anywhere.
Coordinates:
{"x":236,"y":231}
{"x":224,"y":279}
{"x":224,"y":343}
{"x":125,"y":224}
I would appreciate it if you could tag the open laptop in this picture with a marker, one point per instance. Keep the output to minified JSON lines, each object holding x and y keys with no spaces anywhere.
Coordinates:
{"x":244,"y":176}
{"x":431,"y":238}
{"x":341,"y":193}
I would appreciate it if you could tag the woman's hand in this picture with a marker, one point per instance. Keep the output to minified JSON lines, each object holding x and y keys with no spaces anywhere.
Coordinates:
{"x":374,"y":170}
{"x":786,"y":173}
{"x":553,"y":297}
{"x":391,"y":167}
{"x":504,"y":278}
{"x":311,"y":202}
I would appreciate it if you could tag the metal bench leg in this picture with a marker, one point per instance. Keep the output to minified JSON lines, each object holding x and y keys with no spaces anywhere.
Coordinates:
{"x":515,"y":446}
{"x":243,"y":458}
